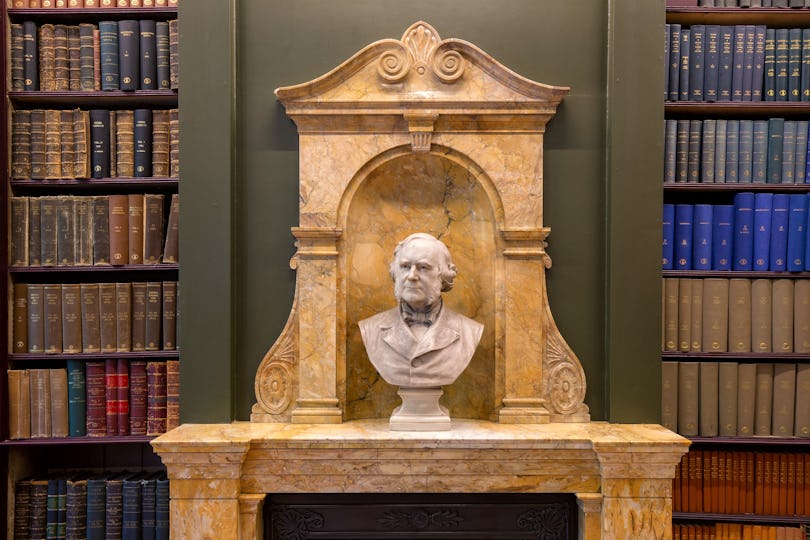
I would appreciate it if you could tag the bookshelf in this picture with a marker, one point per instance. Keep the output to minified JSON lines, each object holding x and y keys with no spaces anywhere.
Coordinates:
{"x":733,"y":376}
{"x":91,"y":375}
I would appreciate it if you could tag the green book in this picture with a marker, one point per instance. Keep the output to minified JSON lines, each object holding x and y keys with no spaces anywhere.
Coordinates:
{"x":77,"y":417}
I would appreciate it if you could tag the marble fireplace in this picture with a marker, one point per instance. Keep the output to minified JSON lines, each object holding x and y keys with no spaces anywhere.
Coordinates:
{"x":421,"y":134}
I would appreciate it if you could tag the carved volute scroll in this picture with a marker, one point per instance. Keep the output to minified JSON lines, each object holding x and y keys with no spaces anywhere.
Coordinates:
{"x":446,"y":137}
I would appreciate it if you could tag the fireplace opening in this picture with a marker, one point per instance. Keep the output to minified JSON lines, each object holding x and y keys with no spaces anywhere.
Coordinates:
{"x":356,"y":516}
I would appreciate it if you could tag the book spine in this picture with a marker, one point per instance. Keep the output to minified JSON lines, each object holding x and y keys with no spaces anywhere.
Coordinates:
{"x":739,"y":317}
{"x":725,"y":62}
{"x":789,"y":152}
{"x":759,"y":62}
{"x":123,"y":295}
{"x":131,"y":506}
{"x":715,"y":314}
{"x":764,"y":399}
{"x":100,"y":136}
{"x":670,"y":146}
{"x":59,"y":403}
{"x":759,"y":156}
{"x":732,"y":151}
{"x":746,"y":399}
{"x":162,"y":59}
{"x":797,"y":231}
{"x":19,"y":400}
{"x":763,"y":206}
{"x":802,"y":416}
{"x":84,"y":231}
{"x":91,"y":318}
{"x":76,"y":509}
{"x":86,"y":57}
{"x":148,"y":54}
{"x":108,"y":317}
{"x":109,"y":52}
{"x":19,"y":231}
{"x":804,"y":82}
{"x":52,"y":302}
{"x":794,"y":64}
{"x":171,"y":252}
{"x":77,"y":401}
{"x":37,"y":138}
{"x":47,"y":58}
{"x":81,"y":138}
{"x":669,"y":395}
{"x":20,"y":144}
{"x":113,"y":508}
{"x":154,"y":317}
{"x":38,"y":509}
{"x":71,"y":318}
{"x":783,"y":295}
{"x":138,"y":392}
{"x":707,"y":151}
{"x":34,"y":232}
{"x":20,"y":318}
{"x":135,"y":212}
{"x":96,"y":503}
{"x":156,"y":398}
{"x":784,"y":395}
{"x":769,"y":79}
{"x":745,"y":153}
{"x":30,"y":56}
{"x":36,"y":318}
{"x":708,"y":399}
{"x":711,"y":62}
{"x":174,"y":54}
{"x":153,"y":228}
{"x":779,"y":232}
{"x":125,"y":143}
{"x":684,"y":214}
{"x":761,"y":310}
{"x":40,"y":395}
{"x":748,"y":63}
{"x":668,"y":243}
{"x":119,"y":229}
{"x":781,"y":63}
{"x":101,"y":230}
{"x":95,"y":383}
{"x":111,"y":395}
{"x":172,"y":394}
{"x":17,"y":73}
{"x":702,"y":237}
{"x":800,"y":157}
{"x":696,"y":62}
{"x":129,"y":54}
{"x":174,"y":142}
{"x":693,"y":151}
{"x":161,"y":144}
{"x":148,"y":509}
{"x":53,"y":145}
{"x":143,"y":142}
{"x":727,"y":400}
{"x":22,"y":515}
{"x":688,"y":398}
{"x":61,"y":68}
{"x":162,"y":509}
{"x":169,"y":313}
{"x":122,"y":395}
{"x":139,"y":316}
{"x":743,"y":244}
{"x":738,"y":63}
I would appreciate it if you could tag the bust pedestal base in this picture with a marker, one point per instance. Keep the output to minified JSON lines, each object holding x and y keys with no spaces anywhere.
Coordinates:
{"x":420,"y":411}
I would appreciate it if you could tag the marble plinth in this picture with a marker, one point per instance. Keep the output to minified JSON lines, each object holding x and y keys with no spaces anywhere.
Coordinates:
{"x":420,"y":411}
{"x":621,"y":474}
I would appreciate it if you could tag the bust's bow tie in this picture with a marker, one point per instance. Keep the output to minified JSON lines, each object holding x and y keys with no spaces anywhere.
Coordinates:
{"x":425,"y":318}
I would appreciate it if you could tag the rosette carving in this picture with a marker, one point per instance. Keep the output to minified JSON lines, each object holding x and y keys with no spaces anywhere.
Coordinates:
{"x":276,"y":383}
{"x":564,"y":377}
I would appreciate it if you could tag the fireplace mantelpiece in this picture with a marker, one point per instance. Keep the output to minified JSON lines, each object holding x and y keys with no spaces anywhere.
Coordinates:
{"x":621,"y":474}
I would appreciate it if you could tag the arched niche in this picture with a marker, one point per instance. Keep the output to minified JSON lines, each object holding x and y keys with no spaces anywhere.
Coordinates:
{"x":420,"y":134}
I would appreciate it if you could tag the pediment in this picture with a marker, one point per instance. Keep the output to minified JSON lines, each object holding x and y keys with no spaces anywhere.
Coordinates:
{"x":421,"y":70}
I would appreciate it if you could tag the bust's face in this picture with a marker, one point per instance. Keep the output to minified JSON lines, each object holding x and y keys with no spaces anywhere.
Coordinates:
{"x":417,"y":276}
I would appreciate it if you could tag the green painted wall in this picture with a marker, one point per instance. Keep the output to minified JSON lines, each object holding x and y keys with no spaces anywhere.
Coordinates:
{"x":240,"y":170}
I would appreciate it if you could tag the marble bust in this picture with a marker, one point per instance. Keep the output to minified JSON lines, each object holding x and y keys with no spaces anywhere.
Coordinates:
{"x":421,"y":342}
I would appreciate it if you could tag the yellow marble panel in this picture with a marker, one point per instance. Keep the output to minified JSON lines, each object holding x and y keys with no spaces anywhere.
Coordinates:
{"x":210,"y":519}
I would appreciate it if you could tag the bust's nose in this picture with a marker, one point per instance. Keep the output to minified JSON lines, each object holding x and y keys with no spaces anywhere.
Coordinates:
{"x":412,"y":275}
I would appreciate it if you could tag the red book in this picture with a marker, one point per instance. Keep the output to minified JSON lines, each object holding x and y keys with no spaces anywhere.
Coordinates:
{"x":137,"y":397}
{"x":111,"y":390}
{"x":156,"y":398}
{"x":172,"y":394}
{"x":95,"y":386}
{"x":122,"y":395}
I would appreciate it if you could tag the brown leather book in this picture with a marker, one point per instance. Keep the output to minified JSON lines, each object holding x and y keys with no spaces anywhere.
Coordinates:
{"x":139,"y":316}
{"x":49,"y":235}
{"x":174,"y":53}
{"x":37,"y":141}
{"x":36,"y":318}
{"x":67,"y":147}
{"x":111,"y":395}
{"x":123,"y":316}
{"x":137,"y":397}
{"x":81,"y":143}
{"x":19,"y":404}
{"x":156,"y":397}
{"x":71,"y":318}
{"x":746,"y":399}
{"x":154,"y":315}
{"x":759,"y":483}
{"x":722,"y":481}
{"x":174,"y":143}
{"x":20,"y":318}
{"x":781,"y":487}
{"x":96,"y":385}
{"x":161,"y":145}
{"x":784,"y":399}
{"x":122,"y":395}
{"x":47,"y":58}
{"x":748,"y":502}
{"x":74,"y":54}
{"x":801,"y":316}
{"x":783,"y":293}
{"x":727,"y":373}
{"x":169,"y":324}
{"x":761,"y":315}
{"x":53,"y":145}
{"x":739,"y":315}
{"x":696,"y":332}
{"x":86,"y":56}
{"x":34,"y":232}
{"x":20,"y":144}
{"x":153,"y":228}
{"x":91,"y":318}
{"x":52,"y":302}
{"x":40,"y":395}
{"x":696,"y":481}
{"x":113,"y":132}
{"x":172,"y":394}
{"x":84,"y":231}
{"x":764,"y":400}
{"x":790,"y":496}
{"x":125,"y":143}
{"x":19,"y":231}
{"x":688,"y":381}
{"x":66,"y":230}
{"x":171,"y":253}
{"x":715,"y":314}
{"x":17,"y":55}
{"x":59,"y":402}
{"x":684,"y":314}
{"x":108,"y":327}
{"x":101,"y":230}
{"x":708,"y":402}
{"x":800,"y":485}
{"x":136,"y":224}
{"x":119,"y":229}
{"x":61,"y":62}
{"x":802,"y":420}
{"x":711,"y":481}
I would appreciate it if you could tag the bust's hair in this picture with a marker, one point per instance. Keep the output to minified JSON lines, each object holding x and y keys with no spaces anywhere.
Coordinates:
{"x":446,"y":267}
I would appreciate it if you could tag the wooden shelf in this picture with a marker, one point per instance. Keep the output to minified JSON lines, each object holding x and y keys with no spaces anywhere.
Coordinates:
{"x":781,"y":188}
{"x":737,"y":109}
{"x":96,"y":99}
{"x":60,"y":272}
{"x":98,"y":185}
{"x":733,"y":274}
{"x":121,"y":439}
{"x":725,"y":356}
{"x":773,"y":17}
{"x":91,"y":15}
{"x":129,"y":355}
{"x":752,"y":441}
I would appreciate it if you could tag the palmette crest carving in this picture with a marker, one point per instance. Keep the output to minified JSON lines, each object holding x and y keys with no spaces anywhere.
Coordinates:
{"x":421,"y":50}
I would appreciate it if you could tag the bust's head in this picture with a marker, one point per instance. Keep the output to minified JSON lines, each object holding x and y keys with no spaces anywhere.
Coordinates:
{"x":421,"y":269}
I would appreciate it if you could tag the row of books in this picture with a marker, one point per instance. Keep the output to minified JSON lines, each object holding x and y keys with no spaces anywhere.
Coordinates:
{"x":99,"y":143}
{"x":106,"y":398}
{"x":124,"y":55}
{"x":759,"y":232}
{"x":738,"y":315}
{"x":87,"y":506}
{"x":737,"y":531}
{"x":748,"y":3}
{"x":709,"y":151}
{"x":98,"y":230}
{"x":736,"y":63}
{"x":730,"y":399}
{"x":73,"y":318}
{"x":743,"y":482}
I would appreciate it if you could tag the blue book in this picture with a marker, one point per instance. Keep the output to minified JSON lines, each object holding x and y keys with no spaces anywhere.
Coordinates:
{"x":674,"y":61}
{"x":807,"y":243}
{"x":732,"y":151}
{"x":807,"y":159}
{"x":801,"y":150}
{"x":769,"y":77}
{"x":148,"y":508}
{"x":670,"y":145}
{"x":707,"y":154}
{"x":96,"y":501}
{"x":131,"y":523}
{"x":737,"y":63}
{"x":789,"y":152}
{"x":743,"y":248}
{"x":797,"y":227}
{"x":108,"y":52}
{"x":696,"y":59}
{"x":668,"y":244}
{"x":683,"y":236}
{"x":711,"y":62}
{"x":720,"y":151}
{"x":748,"y":62}
{"x":722,"y":236}
{"x":702,"y":237}
{"x":725,"y":63}
{"x":745,"y":154}
{"x":779,"y":228}
{"x":162,"y":509}
{"x":759,"y":156}
{"x":776,"y":129}
{"x":763,"y":203}
{"x":759,"y":62}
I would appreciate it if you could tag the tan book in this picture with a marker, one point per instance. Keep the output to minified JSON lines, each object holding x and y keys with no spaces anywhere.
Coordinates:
{"x":139,"y":316}
{"x":59,"y":402}
{"x":154,"y":315}
{"x":34,"y":232}
{"x":746,"y":399}
{"x":67,"y":145}
{"x":84,"y":231}
{"x":761,"y":316}
{"x":66,"y":230}
{"x":20,"y":144}
{"x":784,"y":399}
{"x":71,"y":318}
{"x":801,"y":316}
{"x":74,"y":54}
{"x":174,"y":143}
{"x":125,"y":143}
{"x":119,"y":229}
{"x":123,"y":316}
{"x":161,"y":146}
{"x":170,"y":321}
{"x":171,"y":253}
{"x":91,"y":318}
{"x":802,"y":421}
{"x":153,"y":228}
{"x":764,"y":399}
{"x":19,"y":404}
{"x":715,"y":314}
{"x":40,"y":400}
{"x":696,"y":333}
{"x":113,"y":130}
{"x":783,"y":315}
{"x":709,"y":402}
{"x":37,"y":144}
{"x":52,"y":312}
{"x":61,"y":68}
{"x":53,"y":145}
{"x":19,"y":231}
{"x":684,"y":314}
{"x":727,"y":374}
{"x":172,"y":394}
{"x":81,"y":138}
{"x":108,"y":327}
{"x":20,"y":318}
{"x":136,"y":227}
{"x":36,"y":318}
{"x":688,"y":384}
{"x":47,"y":56}
{"x":739,"y":315}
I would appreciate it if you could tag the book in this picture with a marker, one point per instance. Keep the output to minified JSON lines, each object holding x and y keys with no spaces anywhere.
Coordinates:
{"x":782,"y":325}
{"x":20,"y":144}
{"x":53,"y":145}
{"x":683,"y":236}
{"x":669,"y":395}
{"x":86,"y":57}
{"x":696,"y":317}
{"x":143,"y":142}
{"x":763,"y":205}
{"x":764,"y":399}
{"x":19,"y":414}
{"x":96,"y":409}
{"x":77,"y":402}
{"x":96,"y":507}
{"x":797,"y":232}
{"x":101,"y":230}
{"x":794,"y":64}
{"x":90,"y":318}
{"x":739,"y":315}
{"x":76,"y":508}
{"x":20,"y":318}
{"x":732,"y":151}
{"x":789,"y":152}
{"x":668,"y":243}
{"x":111,"y":395}
{"x":161,"y":144}
{"x":19,"y":231}
{"x":38,"y":509}
{"x":727,"y":373}
{"x":722,"y":236}
{"x":759,"y":63}
{"x":162,"y":508}
{"x":47,"y":58}
{"x":702,"y":237}
{"x":670,"y":308}
{"x":174,"y":54}
{"x":153,"y":228}
{"x":119,"y":229}
{"x":784,"y":399}
{"x":743,"y":243}
{"x":135,"y":216}
{"x":174,"y":142}
{"x":172,"y":394}
{"x":745,"y":154}
{"x":138,"y":391}
{"x":715,"y":314}
{"x":30,"y":56}
{"x":114,"y":506}
{"x":109,"y":53}
{"x":59,"y":402}
{"x":148,"y":501}
{"x":776,"y":129}
{"x":801,"y":316}
{"x":138,"y":316}
{"x":169,"y":313}
{"x":125,"y":143}
{"x":804,"y":84}
{"x":154,"y":315}
{"x":52,"y":317}
{"x":693,"y":151}
{"x":685,"y":314}
{"x":171,"y":252}
{"x":779,"y":232}
{"x":108,"y":320}
{"x":71,"y":318}
{"x":156,"y":397}
{"x":122,"y":395}
{"x":148,"y":54}
{"x":81,"y":139}
{"x":746,"y":399}
{"x":162,"y":55}
{"x":800,"y":158}
{"x":129,"y":54}
{"x":708,"y":399}
{"x":781,"y":63}
{"x":123,"y":313}
{"x":100,"y":136}
{"x":66,"y":230}
{"x":61,"y":62}
{"x":759,"y":152}
{"x":761,"y":315}
{"x":34,"y":232}
{"x":131,"y":508}
{"x":688,"y":397}
{"x":802,"y":414}
{"x":22,"y":502}
{"x":37,"y":144}
{"x":84,"y":231}
{"x":40,"y":402}
{"x":36,"y":318}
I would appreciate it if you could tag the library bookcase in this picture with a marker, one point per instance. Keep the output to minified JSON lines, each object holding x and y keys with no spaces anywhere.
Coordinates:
{"x":90,"y":360}
{"x":735,"y":300}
